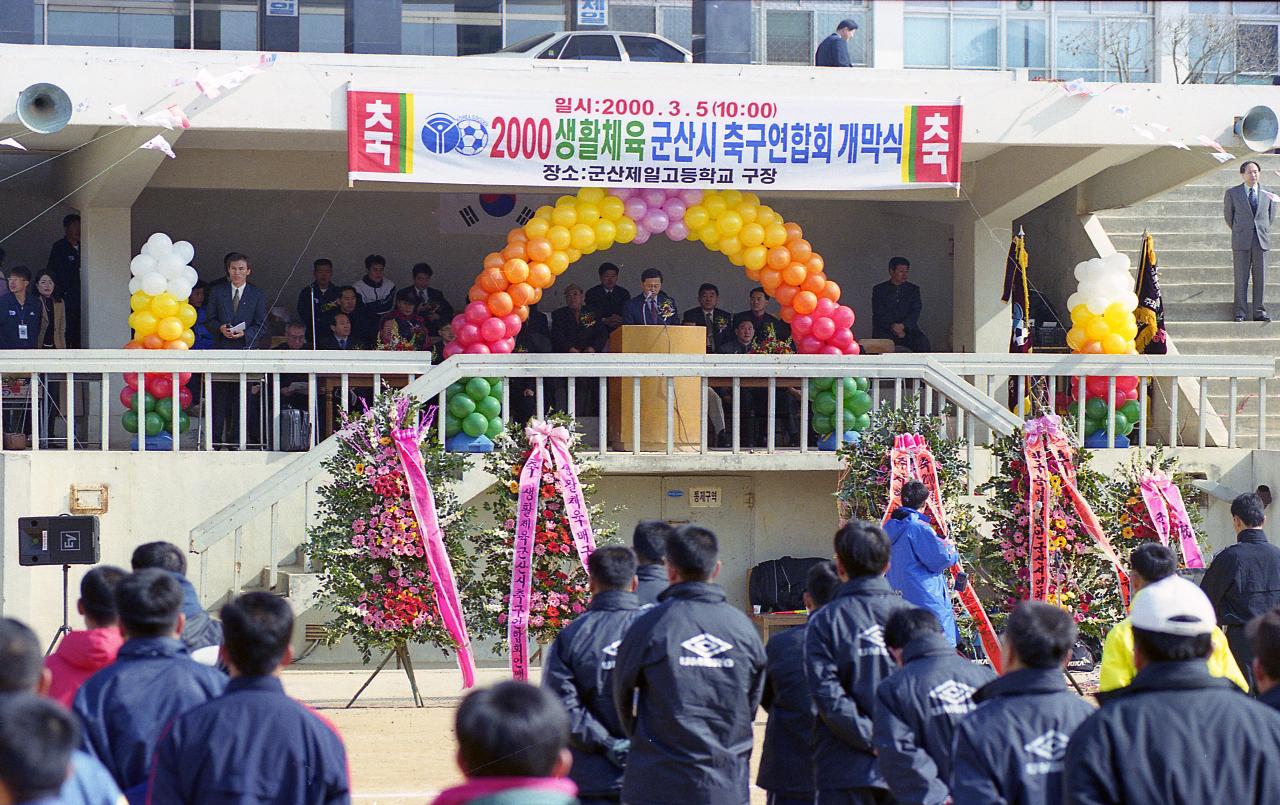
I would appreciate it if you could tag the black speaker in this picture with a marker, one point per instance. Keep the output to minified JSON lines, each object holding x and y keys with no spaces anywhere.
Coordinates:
{"x":58,"y":541}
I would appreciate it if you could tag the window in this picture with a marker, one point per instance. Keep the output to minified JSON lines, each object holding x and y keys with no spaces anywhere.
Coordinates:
{"x":322,"y":26}
{"x":519,"y":29}
{"x":640,"y":19}
{"x":1025,"y":45}
{"x":591,"y":47}
{"x":975,"y":42}
{"x":448,"y":38}
{"x":1256,"y":49}
{"x":789,"y":37}
{"x":150,"y":24}
{"x":926,"y":41}
{"x":646,"y":48}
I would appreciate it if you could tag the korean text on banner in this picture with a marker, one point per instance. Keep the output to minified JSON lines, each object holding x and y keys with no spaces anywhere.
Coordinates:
{"x":568,"y":139}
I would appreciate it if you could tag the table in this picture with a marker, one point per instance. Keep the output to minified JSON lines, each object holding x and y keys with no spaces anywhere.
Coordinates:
{"x":328,"y":385}
{"x":777,"y":621}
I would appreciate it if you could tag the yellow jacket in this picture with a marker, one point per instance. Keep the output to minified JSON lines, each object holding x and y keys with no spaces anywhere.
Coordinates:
{"x":1117,"y":658}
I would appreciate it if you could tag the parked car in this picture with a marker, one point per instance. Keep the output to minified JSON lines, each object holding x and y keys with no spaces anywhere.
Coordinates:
{"x":597,"y":46}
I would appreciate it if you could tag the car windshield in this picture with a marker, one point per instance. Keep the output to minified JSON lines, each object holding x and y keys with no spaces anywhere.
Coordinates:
{"x":526,"y":45}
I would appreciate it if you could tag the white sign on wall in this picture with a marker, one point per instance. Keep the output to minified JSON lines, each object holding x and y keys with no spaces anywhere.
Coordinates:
{"x":282,"y":8}
{"x":704,"y":497}
{"x":593,"y":12}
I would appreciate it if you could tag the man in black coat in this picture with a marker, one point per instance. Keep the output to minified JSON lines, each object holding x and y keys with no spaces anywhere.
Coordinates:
{"x":64,"y":265}
{"x":765,"y":325}
{"x":845,"y":661}
{"x":318,"y":302}
{"x":574,"y":328}
{"x":1176,"y":733}
{"x":607,"y":299}
{"x":237,"y":317}
{"x":896,"y":307}
{"x":579,"y":672}
{"x":1264,"y":635}
{"x":786,"y":759}
{"x":689,"y":678}
{"x":340,"y":335}
{"x":649,"y":541}
{"x":1244,"y":579}
{"x":834,"y":50}
{"x":706,"y":315}
{"x":918,"y":707}
{"x":434,"y":309}
{"x":1010,"y":749}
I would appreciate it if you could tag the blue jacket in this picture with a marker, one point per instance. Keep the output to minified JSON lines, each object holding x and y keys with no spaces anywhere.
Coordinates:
{"x":89,"y":783}
{"x":204,"y":338}
{"x":832,"y":52}
{"x":14,"y":316}
{"x":786,"y":761}
{"x":124,"y":707}
{"x":917,"y":710}
{"x":579,"y":672}
{"x":201,"y":630}
{"x":635,"y":312}
{"x":917,"y":566}
{"x":652,"y":581}
{"x":253,"y":744}
{"x":1010,"y":749}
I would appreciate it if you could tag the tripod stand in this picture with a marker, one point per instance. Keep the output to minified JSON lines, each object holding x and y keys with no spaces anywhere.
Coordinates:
{"x":65,"y":628}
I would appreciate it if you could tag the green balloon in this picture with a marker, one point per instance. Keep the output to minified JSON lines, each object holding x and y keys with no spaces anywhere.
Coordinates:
{"x":859,"y":402}
{"x":164,"y":407}
{"x":129,"y":420}
{"x":138,"y":399}
{"x":495,"y":427}
{"x":824,"y":403}
{"x":1130,"y":410}
{"x":849,"y":416}
{"x":490,"y":407}
{"x":860,"y":423}
{"x":462,"y":406}
{"x":1123,"y":425}
{"x":495,"y":387}
{"x":475,"y":424}
{"x":454,"y":390}
{"x":477,"y":388}
{"x":818,"y":385}
{"x":863,"y":384}
{"x":1095,"y":408}
{"x":452,"y":425}
{"x":184,"y":422}
{"x":1092,"y":425}
{"x":822,"y":424}
{"x":154,"y":424}
{"x":850,"y":386}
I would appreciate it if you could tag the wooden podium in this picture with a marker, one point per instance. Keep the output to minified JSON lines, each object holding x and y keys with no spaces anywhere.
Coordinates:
{"x":661,"y":340}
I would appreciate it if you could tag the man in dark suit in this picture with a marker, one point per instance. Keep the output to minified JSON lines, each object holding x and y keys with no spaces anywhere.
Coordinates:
{"x":763,"y":325}
{"x":607,"y":299}
{"x":754,"y":401}
{"x":340,"y":336}
{"x":895,"y":309}
{"x":717,"y":322}
{"x":318,"y":301}
{"x":237,"y":319}
{"x":434,"y":309}
{"x":833,"y":51}
{"x":652,"y":306}
{"x":573,"y":328}
{"x":64,"y":265}
{"x":1250,"y":211}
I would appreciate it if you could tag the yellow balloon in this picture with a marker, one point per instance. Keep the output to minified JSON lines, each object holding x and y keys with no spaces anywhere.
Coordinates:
{"x":1076,"y":338}
{"x":537,"y":228}
{"x":582,"y":237}
{"x":766,"y":216}
{"x":696,"y":216}
{"x":736,"y":258}
{"x":715,"y":205}
{"x":558,"y":262}
{"x":188,"y":338}
{"x":606,"y":231}
{"x":1097,"y":329}
{"x":140,"y":301}
{"x":612,"y":208}
{"x":749,"y":212}
{"x":626,"y":230}
{"x":559,"y":237}
{"x":565,"y":216}
{"x":1128,"y":331}
{"x":591,"y":248}
{"x":1114,"y":344}
{"x":573,"y":254}
{"x":169,"y":328}
{"x":588,"y":213}
{"x":1117,"y":316}
{"x":593,"y":195}
{"x":732,"y":198}
{"x":710,"y":236}
{"x":729,"y":223}
{"x":754,"y":257}
{"x":143,"y":323}
{"x":187,"y":315}
{"x":1080,"y":315}
{"x":751,"y":234}
{"x":775,"y":234}
{"x":544,"y":212}
{"x":730,"y":245}
{"x":163,"y":305}
{"x":751,"y":198}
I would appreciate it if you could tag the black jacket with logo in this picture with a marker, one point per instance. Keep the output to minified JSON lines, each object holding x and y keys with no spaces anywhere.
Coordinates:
{"x":1244,"y":579}
{"x":786,"y":761}
{"x":845,"y":660}
{"x":652,"y":580}
{"x":689,"y":678}
{"x":1010,"y":749}
{"x":579,"y":672}
{"x":917,"y":710}
{"x":1175,"y":735}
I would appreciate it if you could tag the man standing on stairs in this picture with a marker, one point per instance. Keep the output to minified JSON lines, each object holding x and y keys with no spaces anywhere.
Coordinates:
{"x":1250,"y":211}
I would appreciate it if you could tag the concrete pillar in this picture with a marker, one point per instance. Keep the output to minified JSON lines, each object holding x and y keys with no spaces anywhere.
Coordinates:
{"x":884,"y":40}
{"x":722,"y":31}
{"x":277,"y":33}
{"x":981,"y":322}
{"x":18,"y":22}
{"x":15,"y":497}
{"x":107,"y":246}
{"x":373,"y":26}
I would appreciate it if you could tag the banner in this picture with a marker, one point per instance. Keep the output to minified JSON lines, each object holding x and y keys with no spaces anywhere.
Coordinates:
{"x":524,"y":137}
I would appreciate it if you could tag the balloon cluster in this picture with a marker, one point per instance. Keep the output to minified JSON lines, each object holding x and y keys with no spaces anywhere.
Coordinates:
{"x":857,"y":404}
{"x":161,"y":318}
{"x":473,"y":409}
{"x":1102,"y":322}
{"x":658,"y":211}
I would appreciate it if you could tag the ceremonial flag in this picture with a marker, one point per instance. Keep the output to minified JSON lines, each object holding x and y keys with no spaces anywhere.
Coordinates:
{"x":1151,"y":338}
{"x":1015,"y":290}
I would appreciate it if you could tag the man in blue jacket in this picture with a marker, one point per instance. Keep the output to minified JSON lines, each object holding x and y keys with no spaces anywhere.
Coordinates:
{"x":786,"y":760}
{"x":834,"y":50}
{"x":579,"y":672}
{"x":845,"y":661}
{"x":653,"y":306}
{"x":1010,"y":749}
{"x":1264,"y":636}
{"x":919,"y":706}
{"x":649,"y":540}
{"x":1176,"y":733}
{"x":689,"y":678}
{"x":20,"y":312}
{"x":198,"y":630}
{"x":124,"y":707}
{"x":921,"y":558}
{"x":253,"y":743}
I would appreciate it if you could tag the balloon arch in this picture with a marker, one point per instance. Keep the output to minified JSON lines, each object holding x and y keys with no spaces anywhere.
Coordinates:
{"x":772,"y":251}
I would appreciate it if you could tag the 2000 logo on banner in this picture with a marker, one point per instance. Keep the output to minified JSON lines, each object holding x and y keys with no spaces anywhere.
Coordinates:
{"x":516,"y":137}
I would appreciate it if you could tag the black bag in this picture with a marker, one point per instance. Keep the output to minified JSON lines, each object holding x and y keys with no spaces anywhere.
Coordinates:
{"x":778,"y":584}
{"x":295,"y":430}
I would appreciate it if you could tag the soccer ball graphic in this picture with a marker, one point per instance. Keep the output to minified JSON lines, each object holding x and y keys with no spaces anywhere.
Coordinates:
{"x":472,"y":137}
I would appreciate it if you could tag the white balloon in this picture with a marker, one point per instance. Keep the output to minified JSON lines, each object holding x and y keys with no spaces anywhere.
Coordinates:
{"x":184,"y":251}
{"x":1118,"y":261}
{"x":160,"y":242}
{"x":1080,"y":270}
{"x":142,"y":265}
{"x":1097,"y":305}
{"x":1130,"y":301}
{"x":189,"y":275}
{"x":171,"y":267}
{"x":1075,"y":300}
{"x":154,"y":283}
{"x":135,"y":285}
{"x":179,"y":289}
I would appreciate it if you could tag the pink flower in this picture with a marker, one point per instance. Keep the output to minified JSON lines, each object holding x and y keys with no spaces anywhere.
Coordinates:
{"x":539,"y":550}
{"x":536,"y":621}
{"x":502,"y":617}
{"x":1006,"y":545}
{"x":577,"y":608}
{"x":394,"y":572}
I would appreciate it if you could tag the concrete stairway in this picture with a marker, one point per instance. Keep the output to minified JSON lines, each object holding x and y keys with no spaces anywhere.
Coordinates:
{"x":1193,"y":246}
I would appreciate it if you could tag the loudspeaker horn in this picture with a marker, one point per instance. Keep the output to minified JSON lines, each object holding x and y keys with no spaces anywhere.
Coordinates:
{"x":1259,"y":128}
{"x":44,"y":108}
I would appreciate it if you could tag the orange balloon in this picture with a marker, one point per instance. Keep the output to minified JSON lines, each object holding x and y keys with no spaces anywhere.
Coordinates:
{"x":794,"y":232}
{"x":499,"y":303}
{"x":794,"y":274}
{"x":521,"y":294}
{"x":134,"y":345}
{"x":153,"y":341}
{"x":800,"y":250}
{"x":539,"y":249}
{"x":805,"y":302}
{"x":831,"y":291}
{"x":814,"y":282}
{"x":815,"y":263}
{"x":515,"y":270}
{"x":477,"y":294}
{"x":493,"y":280}
{"x":785,"y":294}
{"x":517,"y":234}
{"x":537,"y":296}
{"x":523,"y":312}
{"x":540,"y":275}
{"x":753,"y":274}
{"x":514,"y":251}
{"x":786,"y":313}
{"x":1092,"y":348}
{"x":770,"y":279}
{"x":494,"y":260}
{"x":779,"y":258}
{"x":177,"y":343}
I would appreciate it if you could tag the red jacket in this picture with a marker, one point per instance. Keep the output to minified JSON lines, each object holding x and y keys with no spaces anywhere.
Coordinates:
{"x":80,"y":655}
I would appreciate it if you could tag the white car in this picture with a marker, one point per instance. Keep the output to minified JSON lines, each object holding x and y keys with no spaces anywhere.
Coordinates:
{"x":597,"y":46}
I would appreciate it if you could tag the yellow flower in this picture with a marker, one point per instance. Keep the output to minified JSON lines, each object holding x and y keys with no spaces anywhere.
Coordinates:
{"x":513,"y":487}
{"x":384,"y":441}
{"x":1059,"y":524}
{"x":359,"y":469}
{"x":1127,"y":533}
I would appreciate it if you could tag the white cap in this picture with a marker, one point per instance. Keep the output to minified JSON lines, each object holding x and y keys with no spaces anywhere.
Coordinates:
{"x":1173,"y":606}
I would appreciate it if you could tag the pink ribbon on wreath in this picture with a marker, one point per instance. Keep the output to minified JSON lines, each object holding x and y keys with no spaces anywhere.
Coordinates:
{"x":443,"y":582}
{"x":548,"y":443}
{"x":1169,"y":515}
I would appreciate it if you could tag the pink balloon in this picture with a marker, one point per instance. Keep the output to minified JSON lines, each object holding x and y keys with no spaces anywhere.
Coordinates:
{"x":677,"y":230}
{"x":654,"y":197}
{"x":478,"y":349}
{"x":824,"y":309}
{"x":801,"y":323}
{"x":511,"y":325}
{"x":808,"y":345}
{"x":458,"y":320}
{"x":623,"y":193}
{"x":477,"y":312}
{"x":635,"y":209}
{"x":830,"y":350}
{"x":656,"y":221}
{"x":493,"y":329}
{"x":468,"y":334}
{"x":642,"y":235}
{"x":843,"y":317}
{"x":823,"y":328}
{"x":674,"y":208}
{"x":842,"y":337}
{"x":853,"y":349}
{"x":691,"y":197}
{"x":452,"y":348}
{"x":503,"y":347}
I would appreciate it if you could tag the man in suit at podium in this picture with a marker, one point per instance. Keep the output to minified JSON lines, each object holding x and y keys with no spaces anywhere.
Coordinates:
{"x":652,"y":306}
{"x":717,"y":322}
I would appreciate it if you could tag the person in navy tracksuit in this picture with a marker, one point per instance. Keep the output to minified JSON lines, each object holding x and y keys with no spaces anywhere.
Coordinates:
{"x":253,"y":743}
{"x":579,"y":672}
{"x":786,"y":760}
{"x":649,"y":541}
{"x":919,"y":706}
